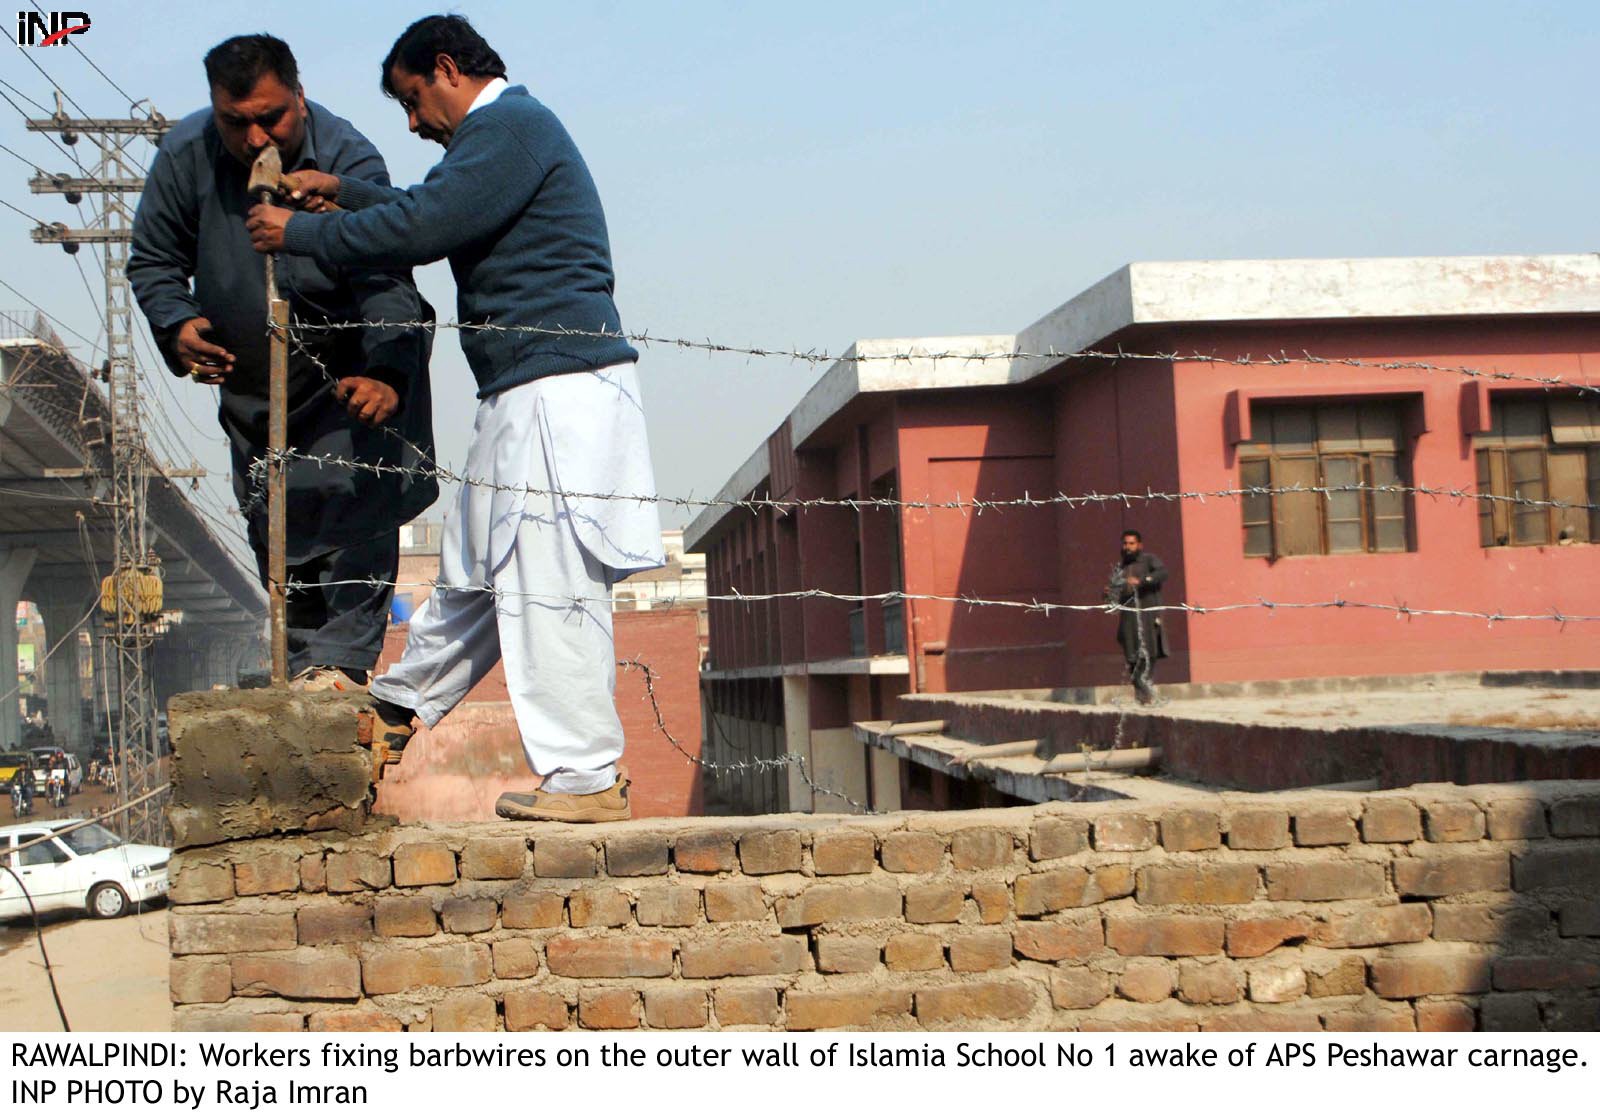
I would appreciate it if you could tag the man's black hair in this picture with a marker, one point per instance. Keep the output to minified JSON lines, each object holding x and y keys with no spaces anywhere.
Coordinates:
{"x":424,"y":41}
{"x":235,"y":65}
{"x":1133,"y":532}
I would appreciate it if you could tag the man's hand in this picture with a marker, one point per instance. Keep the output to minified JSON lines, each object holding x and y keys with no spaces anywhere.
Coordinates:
{"x":371,"y":402}
{"x":205,"y":361}
{"x":1131,"y":581}
{"x":315,"y":192}
{"x":266,"y":224}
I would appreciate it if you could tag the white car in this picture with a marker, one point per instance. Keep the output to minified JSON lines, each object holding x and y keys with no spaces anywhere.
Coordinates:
{"x":41,"y":772}
{"x":89,"y":869}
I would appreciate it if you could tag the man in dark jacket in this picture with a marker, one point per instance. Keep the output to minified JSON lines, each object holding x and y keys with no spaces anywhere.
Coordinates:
{"x":358,"y":395}
{"x":1135,"y":587}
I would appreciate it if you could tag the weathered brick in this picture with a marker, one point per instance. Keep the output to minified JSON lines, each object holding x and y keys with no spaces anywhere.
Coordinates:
{"x":599,"y":907}
{"x":1452,"y":821}
{"x":1442,"y":875}
{"x":619,"y":957}
{"x":231,"y":933}
{"x":1198,"y":884}
{"x":353,"y":1019}
{"x":1489,"y":924}
{"x":217,"y":1019}
{"x":1124,"y":832}
{"x":848,"y":852}
{"x":1389,"y":924}
{"x":846,"y":955}
{"x":494,"y":858}
{"x":1258,"y":829}
{"x":1111,"y":882}
{"x":1078,"y":988}
{"x":313,"y":873}
{"x":192,"y":883}
{"x":1580,"y":918}
{"x":1371,"y":1019}
{"x":1190,"y":829}
{"x":980,"y":950}
{"x":1509,"y":1013}
{"x":200,"y":980}
{"x":703,"y":853}
{"x":388,"y":971}
{"x":1575,"y":816}
{"x":770,"y":852}
{"x":1391,"y":821}
{"x":1572,"y":1013}
{"x":1544,"y":973}
{"x":933,"y":903}
{"x":350,"y":872}
{"x":532,"y":1009}
{"x":1151,"y":1021}
{"x":1057,"y":839}
{"x":1407,"y":977}
{"x":1323,"y":827}
{"x":980,"y":848}
{"x":533,"y":910}
{"x":993,"y":898}
{"x":670,"y":1008}
{"x":1277,"y":982}
{"x":410,"y":916}
{"x":1446,"y":1017}
{"x":1573,"y":869}
{"x":1147,"y":980}
{"x":914,"y":952}
{"x":1052,"y":941}
{"x":311,"y":973}
{"x":1172,"y":934}
{"x":424,"y":864}
{"x":468,"y":915}
{"x":1049,"y":891}
{"x":270,"y":872}
{"x":608,"y":1009}
{"x":829,"y":1011}
{"x":669,"y":906}
{"x":516,"y":959}
{"x":1210,"y":984}
{"x":1261,"y":1019}
{"x":557,"y":857}
{"x":909,"y":852}
{"x":1325,"y":881}
{"x":834,"y":903}
{"x":1249,"y":937}
{"x":465,"y":1012}
{"x":765,"y":955}
{"x":735,"y":901}
{"x":1004,"y":1000}
{"x":633,"y":856}
{"x":1347,"y":976}
{"x":1517,"y":819}
{"x":333,"y":923}
{"x":745,"y":1006}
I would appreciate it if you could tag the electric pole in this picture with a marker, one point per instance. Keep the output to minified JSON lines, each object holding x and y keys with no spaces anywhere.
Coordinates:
{"x":131,"y":595}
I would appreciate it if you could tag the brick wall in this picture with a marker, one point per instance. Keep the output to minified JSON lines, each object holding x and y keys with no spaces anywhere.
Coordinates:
{"x":1439,"y":907}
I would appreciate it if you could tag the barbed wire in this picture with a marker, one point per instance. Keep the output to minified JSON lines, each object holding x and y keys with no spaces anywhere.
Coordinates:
{"x":1051,"y":354}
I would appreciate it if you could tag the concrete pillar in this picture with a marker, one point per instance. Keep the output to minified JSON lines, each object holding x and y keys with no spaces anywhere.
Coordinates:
{"x":15,"y":563}
{"x":62,"y":606}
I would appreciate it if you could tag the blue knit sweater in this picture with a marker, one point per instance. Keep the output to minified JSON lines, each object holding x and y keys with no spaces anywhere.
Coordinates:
{"x":513,"y":206}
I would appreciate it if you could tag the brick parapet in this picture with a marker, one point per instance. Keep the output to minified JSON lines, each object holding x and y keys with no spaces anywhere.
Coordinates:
{"x":1435,"y":907}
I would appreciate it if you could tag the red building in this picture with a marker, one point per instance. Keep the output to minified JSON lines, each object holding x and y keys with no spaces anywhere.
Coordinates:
{"x":1351,"y":425}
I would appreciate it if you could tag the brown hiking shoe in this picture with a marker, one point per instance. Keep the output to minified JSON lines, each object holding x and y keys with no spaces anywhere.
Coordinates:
{"x":605,"y":807}
{"x":388,"y":741}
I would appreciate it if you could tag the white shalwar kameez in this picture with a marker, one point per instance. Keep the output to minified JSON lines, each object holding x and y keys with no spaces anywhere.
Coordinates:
{"x":546,"y":563}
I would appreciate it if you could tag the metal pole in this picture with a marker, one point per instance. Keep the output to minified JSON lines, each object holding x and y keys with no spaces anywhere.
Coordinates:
{"x":277,"y":441}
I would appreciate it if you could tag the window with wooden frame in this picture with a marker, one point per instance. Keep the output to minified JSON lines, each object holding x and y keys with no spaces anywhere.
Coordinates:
{"x":1545,"y":451}
{"x":1323,"y":470}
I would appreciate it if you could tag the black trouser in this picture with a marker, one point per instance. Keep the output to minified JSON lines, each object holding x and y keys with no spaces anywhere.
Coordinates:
{"x":332,"y":621}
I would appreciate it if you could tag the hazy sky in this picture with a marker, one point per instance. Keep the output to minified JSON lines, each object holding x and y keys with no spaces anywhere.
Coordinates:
{"x":802,"y":176}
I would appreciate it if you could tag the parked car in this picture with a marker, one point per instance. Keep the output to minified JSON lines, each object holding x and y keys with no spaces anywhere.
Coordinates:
{"x":41,"y":771}
{"x":9,"y":764}
{"x":89,"y":869}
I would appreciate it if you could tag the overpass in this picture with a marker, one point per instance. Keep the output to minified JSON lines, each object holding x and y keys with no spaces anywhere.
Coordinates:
{"x":57,"y":542}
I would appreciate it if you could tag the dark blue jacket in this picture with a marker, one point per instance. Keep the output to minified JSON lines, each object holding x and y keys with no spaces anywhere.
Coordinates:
{"x":513,"y":206}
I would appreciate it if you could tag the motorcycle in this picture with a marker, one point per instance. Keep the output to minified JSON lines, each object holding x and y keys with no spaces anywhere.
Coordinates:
{"x":56,"y":791}
{"x":21,"y":800}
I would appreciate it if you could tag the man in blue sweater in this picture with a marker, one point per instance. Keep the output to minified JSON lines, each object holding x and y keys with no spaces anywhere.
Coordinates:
{"x":527,"y":562}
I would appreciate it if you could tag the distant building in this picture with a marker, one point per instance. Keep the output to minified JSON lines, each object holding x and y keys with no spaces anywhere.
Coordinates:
{"x":793,"y":675}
